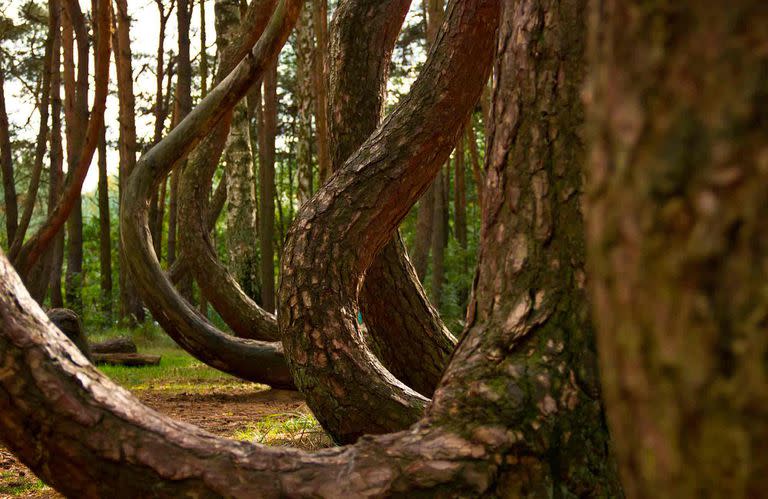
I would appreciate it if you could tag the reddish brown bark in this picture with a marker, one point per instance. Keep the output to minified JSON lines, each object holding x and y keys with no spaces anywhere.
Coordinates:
{"x":320,"y":88}
{"x":39,"y":242}
{"x":267,"y":114}
{"x":6,"y":165}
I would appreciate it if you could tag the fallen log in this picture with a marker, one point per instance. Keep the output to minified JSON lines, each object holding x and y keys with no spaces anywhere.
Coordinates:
{"x":114,"y":345}
{"x":127,"y":359}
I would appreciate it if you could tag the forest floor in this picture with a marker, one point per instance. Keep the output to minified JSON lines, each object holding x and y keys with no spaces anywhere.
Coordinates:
{"x":190,"y":391}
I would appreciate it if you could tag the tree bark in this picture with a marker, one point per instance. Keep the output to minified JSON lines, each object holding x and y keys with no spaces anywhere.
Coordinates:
{"x":677,"y":243}
{"x":320,"y":88}
{"x":53,"y":259}
{"x":238,"y":310}
{"x":36,"y":246}
{"x":478,"y":175}
{"x":105,"y":232}
{"x":404,"y":331}
{"x":303,"y":98}
{"x":509,"y":419}
{"x":242,"y":227}
{"x":439,"y":235}
{"x":6,"y":162}
{"x":130,"y":303}
{"x":346,"y":387}
{"x":460,"y":197}
{"x":258,"y":361}
{"x":267,"y":133}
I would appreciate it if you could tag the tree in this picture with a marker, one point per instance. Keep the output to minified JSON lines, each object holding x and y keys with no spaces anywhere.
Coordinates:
{"x":677,"y":244}
{"x":499,"y":420}
{"x":267,"y":126}
{"x":303,"y":96}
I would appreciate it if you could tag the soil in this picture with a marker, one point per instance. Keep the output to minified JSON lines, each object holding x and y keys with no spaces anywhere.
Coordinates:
{"x":223,"y":411}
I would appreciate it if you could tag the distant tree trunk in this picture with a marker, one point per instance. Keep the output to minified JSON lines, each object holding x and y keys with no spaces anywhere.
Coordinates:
{"x":320,"y":87}
{"x":242,"y":227}
{"x":460,"y":196}
{"x":267,"y":135}
{"x":6,"y":162}
{"x":678,"y":251}
{"x":105,"y":233}
{"x":55,"y":255}
{"x":131,"y":307}
{"x":477,"y":172}
{"x":203,"y":93}
{"x":425,"y":216}
{"x":439,"y":235}
{"x":303,"y":96}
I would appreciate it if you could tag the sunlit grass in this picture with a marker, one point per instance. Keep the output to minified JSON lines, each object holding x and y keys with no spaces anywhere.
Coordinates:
{"x":296,"y":429}
{"x":12,"y":484}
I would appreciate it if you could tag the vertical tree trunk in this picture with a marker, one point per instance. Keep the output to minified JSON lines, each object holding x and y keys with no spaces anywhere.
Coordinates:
{"x":477,"y":172}
{"x":267,"y":135}
{"x":242,"y":225}
{"x":320,"y":88}
{"x":303,"y":96}
{"x":105,"y":233}
{"x":55,"y":254}
{"x":6,"y":162}
{"x":460,"y":196}
{"x":131,"y":307}
{"x":678,"y":249}
{"x":439,"y":235}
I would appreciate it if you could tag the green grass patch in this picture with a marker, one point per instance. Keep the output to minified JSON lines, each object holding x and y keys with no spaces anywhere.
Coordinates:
{"x":295,"y":429}
{"x":12,"y":484}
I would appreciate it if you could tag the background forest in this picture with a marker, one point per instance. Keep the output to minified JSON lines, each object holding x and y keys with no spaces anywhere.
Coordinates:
{"x":171,"y":73}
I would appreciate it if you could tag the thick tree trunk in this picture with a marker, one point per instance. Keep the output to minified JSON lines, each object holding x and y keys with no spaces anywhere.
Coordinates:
{"x":267,"y":134}
{"x":348,"y":390}
{"x":105,"y":232}
{"x":303,"y":98}
{"x":242,"y":227}
{"x":131,"y":307}
{"x":404,"y":330}
{"x":320,"y":88}
{"x":678,"y":246}
{"x":258,"y":361}
{"x":512,"y":418}
{"x":6,"y":164}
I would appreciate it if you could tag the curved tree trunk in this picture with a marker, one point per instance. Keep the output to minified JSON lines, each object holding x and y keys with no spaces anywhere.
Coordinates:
{"x":404,"y":331}
{"x":258,"y":361}
{"x":236,"y":308}
{"x":348,"y":390}
{"x":678,"y":246}
{"x":509,"y":419}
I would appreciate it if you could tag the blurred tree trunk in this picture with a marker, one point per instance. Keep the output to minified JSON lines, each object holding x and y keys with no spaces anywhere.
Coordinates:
{"x":6,"y":162}
{"x":267,"y":113}
{"x":131,"y":307}
{"x":678,"y":249}
{"x":303,"y":96}
{"x":105,"y":233}
{"x":242,"y":228}
{"x":55,"y":255}
{"x":477,"y":170}
{"x":439,"y":235}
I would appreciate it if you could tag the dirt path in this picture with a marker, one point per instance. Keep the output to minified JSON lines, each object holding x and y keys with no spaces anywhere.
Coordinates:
{"x":244,"y":411}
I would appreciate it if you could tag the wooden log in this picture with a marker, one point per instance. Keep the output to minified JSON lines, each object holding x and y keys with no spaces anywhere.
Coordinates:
{"x":127,"y":359}
{"x":115,"y":345}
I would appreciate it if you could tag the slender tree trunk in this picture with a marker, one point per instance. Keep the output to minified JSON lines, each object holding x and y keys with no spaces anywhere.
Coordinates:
{"x":267,"y":136}
{"x":105,"y":233}
{"x":242,"y":225}
{"x":303,"y":96}
{"x":131,"y":307}
{"x":460,"y":197}
{"x":678,"y":249}
{"x":438,"y":238}
{"x":55,"y":256}
{"x":320,"y":87}
{"x":477,"y":172}
{"x":6,"y":162}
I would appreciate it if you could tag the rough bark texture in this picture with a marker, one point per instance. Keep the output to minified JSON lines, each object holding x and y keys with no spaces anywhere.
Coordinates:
{"x":404,"y":330}
{"x":509,"y":419}
{"x":236,"y":308}
{"x":303,"y":98}
{"x":242,"y":228}
{"x":677,"y":241}
{"x":130,"y":303}
{"x":332,"y":243}
{"x":257,"y":361}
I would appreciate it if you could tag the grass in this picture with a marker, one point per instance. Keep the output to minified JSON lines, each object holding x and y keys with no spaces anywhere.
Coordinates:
{"x":292,"y":429}
{"x":13,"y":484}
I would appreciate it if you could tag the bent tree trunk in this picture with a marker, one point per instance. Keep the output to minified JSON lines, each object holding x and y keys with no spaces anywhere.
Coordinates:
{"x":511,"y":417}
{"x":258,"y":361}
{"x":678,"y":246}
{"x":404,"y":330}
{"x":331,"y":244}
